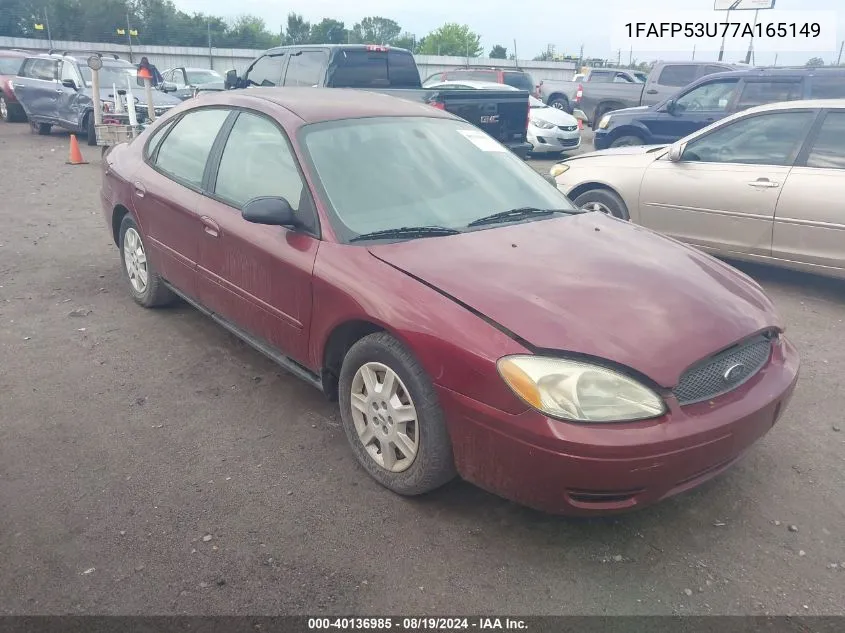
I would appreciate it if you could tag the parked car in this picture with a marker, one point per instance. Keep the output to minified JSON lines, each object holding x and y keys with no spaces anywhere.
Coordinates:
{"x":184,"y":83}
{"x":764,"y":185}
{"x":502,"y":114}
{"x":550,"y":131}
{"x":601,"y":92}
{"x":55,"y":90}
{"x":514,"y":77}
{"x":458,"y":306}
{"x":10,"y":64}
{"x":715,"y":97}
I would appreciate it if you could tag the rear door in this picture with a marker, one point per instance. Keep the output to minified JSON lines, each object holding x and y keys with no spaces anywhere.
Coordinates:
{"x":757,"y":91}
{"x":827,"y":85}
{"x":168,"y":192}
{"x":810,"y":219}
{"x":723,"y":193}
{"x":258,"y":277}
{"x":306,"y":68}
{"x":668,"y":81}
{"x":37,"y":88}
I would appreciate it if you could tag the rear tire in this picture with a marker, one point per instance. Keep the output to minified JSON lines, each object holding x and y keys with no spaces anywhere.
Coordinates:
{"x":603,"y":201}
{"x":137,"y":268}
{"x":561,"y":103}
{"x":42,"y":129}
{"x":373,"y":428}
{"x":629,"y":140}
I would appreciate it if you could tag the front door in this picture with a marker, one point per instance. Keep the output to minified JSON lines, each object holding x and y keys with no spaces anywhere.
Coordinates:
{"x":258,"y":277}
{"x":70,"y":107}
{"x":705,"y":104}
{"x":723,"y":192}
{"x":810,"y":217}
{"x":167,"y":193}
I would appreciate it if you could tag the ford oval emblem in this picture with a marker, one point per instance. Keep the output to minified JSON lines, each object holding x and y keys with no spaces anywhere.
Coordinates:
{"x":734,"y":373}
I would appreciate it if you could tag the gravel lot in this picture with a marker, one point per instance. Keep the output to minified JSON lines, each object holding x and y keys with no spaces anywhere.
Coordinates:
{"x":152,"y":464}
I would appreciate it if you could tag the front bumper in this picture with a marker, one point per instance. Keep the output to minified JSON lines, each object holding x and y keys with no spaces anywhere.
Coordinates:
{"x":545,"y":141}
{"x":601,"y":139}
{"x":578,"y":469}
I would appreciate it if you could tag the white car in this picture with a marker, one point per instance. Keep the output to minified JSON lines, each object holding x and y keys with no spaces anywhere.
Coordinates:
{"x":550,"y":131}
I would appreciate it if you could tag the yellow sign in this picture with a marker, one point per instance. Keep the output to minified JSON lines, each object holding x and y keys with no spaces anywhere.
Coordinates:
{"x":121,"y":31}
{"x":133,"y":32}
{"x":39,"y":27}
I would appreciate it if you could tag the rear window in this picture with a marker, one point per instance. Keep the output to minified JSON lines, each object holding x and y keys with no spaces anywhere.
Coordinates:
{"x":677,"y":75}
{"x":10,"y":65}
{"x":374,"y":69}
{"x":828,"y":86}
{"x":762,"y":92}
{"x":523,"y":81}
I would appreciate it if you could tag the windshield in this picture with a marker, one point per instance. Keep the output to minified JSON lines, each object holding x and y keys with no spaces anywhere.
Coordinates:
{"x":536,"y":103}
{"x":360,"y":68}
{"x":380,"y":173}
{"x":199,"y":77}
{"x":112,"y":74}
{"x":10,"y":65}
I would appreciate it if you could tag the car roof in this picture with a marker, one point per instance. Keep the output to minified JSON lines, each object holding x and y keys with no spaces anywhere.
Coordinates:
{"x":473,"y":83}
{"x":775,"y":71}
{"x":81,"y":59}
{"x":207,"y":70}
{"x":487,"y":68}
{"x":797,"y":105}
{"x":345,"y":47}
{"x":314,"y":105}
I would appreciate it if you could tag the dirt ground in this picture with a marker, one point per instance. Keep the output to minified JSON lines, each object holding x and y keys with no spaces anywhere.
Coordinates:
{"x":152,"y":464}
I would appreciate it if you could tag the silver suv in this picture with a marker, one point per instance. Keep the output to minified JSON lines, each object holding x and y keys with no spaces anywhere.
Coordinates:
{"x":55,"y":90}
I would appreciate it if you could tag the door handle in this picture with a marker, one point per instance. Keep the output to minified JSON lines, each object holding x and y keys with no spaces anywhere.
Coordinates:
{"x":210,"y":226}
{"x":651,"y":92}
{"x":140,"y":191}
{"x":60,"y":91}
{"x":763,"y":182}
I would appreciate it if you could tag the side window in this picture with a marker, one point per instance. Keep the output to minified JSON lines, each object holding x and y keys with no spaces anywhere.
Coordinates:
{"x":622,"y":78}
{"x":267,"y":71}
{"x":600,"y":76}
{"x":26,"y":68}
{"x":178,"y":78}
{"x":677,"y":75}
{"x":712,"y":96}
{"x":828,"y":86}
{"x":257,"y":161}
{"x":184,"y":153}
{"x":711,"y":70}
{"x":155,"y":141}
{"x":767,"y":139}
{"x":69,"y":72}
{"x":761,"y":92}
{"x":45,"y":69}
{"x":828,"y":150}
{"x":305,"y":69}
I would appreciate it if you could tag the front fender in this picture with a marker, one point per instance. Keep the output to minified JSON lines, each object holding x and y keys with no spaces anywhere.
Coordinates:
{"x":632,"y":128}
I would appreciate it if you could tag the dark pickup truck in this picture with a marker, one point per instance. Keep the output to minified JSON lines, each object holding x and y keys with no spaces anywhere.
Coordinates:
{"x":502,"y":114}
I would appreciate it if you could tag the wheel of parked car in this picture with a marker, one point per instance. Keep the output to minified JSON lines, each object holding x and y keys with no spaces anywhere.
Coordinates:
{"x":603,"y":201}
{"x":7,"y":113}
{"x":144,"y":282}
{"x":90,"y":132}
{"x":561,"y":103}
{"x":392,"y":418}
{"x":627,"y":141}
{"x":40,"y":128}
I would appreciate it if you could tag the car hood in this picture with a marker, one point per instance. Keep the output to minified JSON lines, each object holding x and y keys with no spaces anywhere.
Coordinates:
{"x":628,"y":156}
{"x":553,"y":116}
{"x":626,"y":111}
{"x":594,"y":285}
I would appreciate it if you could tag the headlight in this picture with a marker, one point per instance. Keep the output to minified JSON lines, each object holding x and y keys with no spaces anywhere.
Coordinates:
{"x":580,"y":392}
{"x":605,"y":121}
{"x":558,"y":169}
{"x":544,"y":125}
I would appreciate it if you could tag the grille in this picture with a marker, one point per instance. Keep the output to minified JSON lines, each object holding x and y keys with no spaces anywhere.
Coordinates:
{"x":568,"y":142}
{"x":725,"y":371}
{"x":568,"y":128}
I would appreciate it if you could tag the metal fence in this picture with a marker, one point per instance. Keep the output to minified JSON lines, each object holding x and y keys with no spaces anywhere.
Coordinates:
{"x":223,"y":59}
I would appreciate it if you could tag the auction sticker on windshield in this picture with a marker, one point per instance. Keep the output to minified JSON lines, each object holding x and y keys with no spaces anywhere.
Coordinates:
{"x":482,"y":141}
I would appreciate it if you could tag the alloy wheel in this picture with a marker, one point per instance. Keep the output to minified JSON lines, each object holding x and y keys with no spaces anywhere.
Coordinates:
{"x":385,"y":417}
{"x":135,"y":260}
{"x":4,"y":109}
{"x":597,"y":206}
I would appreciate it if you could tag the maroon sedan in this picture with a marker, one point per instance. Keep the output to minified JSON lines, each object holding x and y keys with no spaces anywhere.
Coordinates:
{"x":10,"y":64}
{"x":469,"y":319}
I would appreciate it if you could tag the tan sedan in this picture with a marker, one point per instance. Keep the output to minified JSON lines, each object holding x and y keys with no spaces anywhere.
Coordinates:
{"x":766,"y":184}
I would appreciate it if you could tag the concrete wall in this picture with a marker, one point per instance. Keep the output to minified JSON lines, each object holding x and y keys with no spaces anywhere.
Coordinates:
{"x":223,"y":59}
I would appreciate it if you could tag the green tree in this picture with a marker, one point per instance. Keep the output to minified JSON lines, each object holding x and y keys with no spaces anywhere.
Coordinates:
{"x":328,"y":31}
{"x":376,"y":30}
{"x":452,"y":39}
{"x":498,"y":52}
{"x":406,"y":40}
{"x":298,"y":31}
{"x":545,"y":56}
{"x":249,"y":31}
{"x":814,"y":62}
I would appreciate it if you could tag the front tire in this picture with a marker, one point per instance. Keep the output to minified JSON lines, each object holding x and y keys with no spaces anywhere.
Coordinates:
{"x":627,"y":141}
{"x":560,"y":103}
{"x":603,"y":201}
{"x":145,"y":284}
{"x":392,"y":417}
{"x":90,"y":132}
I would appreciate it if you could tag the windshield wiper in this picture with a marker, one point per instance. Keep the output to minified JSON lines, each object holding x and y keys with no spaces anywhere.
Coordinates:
{"x":406,"y":231}
{"x":519,"y":213}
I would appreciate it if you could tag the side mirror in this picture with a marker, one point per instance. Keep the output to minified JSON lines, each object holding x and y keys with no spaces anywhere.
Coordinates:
{"x":551,"y":180}
{"x":671,"y":106}
{"x":231,"y":80}
{"x":166,"y":86}
{"x":676,"y":151}
{"x":69,"y":83}
{"x":269,"y":210}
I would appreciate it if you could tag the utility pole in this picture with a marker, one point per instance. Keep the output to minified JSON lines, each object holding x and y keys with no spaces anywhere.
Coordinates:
{"x":776,"y":59}
{"x":581,"y":57}
{"x":619,"y":58}
{"x":838,"y":60}
{"x":50,"y":34}
{"x":129,"y":36}
{"x":631,"y":57}
{"x":516,"y":57}
{"x":693,"y":52}
{"x":751,"y":43}
{"x":722,"y":48}
{"x":210,"y":58}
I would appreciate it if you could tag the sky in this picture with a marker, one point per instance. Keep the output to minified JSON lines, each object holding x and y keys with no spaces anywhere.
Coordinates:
{"x":535,"y":24}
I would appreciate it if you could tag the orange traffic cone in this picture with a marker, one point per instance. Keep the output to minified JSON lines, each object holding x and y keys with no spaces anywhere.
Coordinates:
{"x":580,"y":124}
{"x":75,"y":154}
